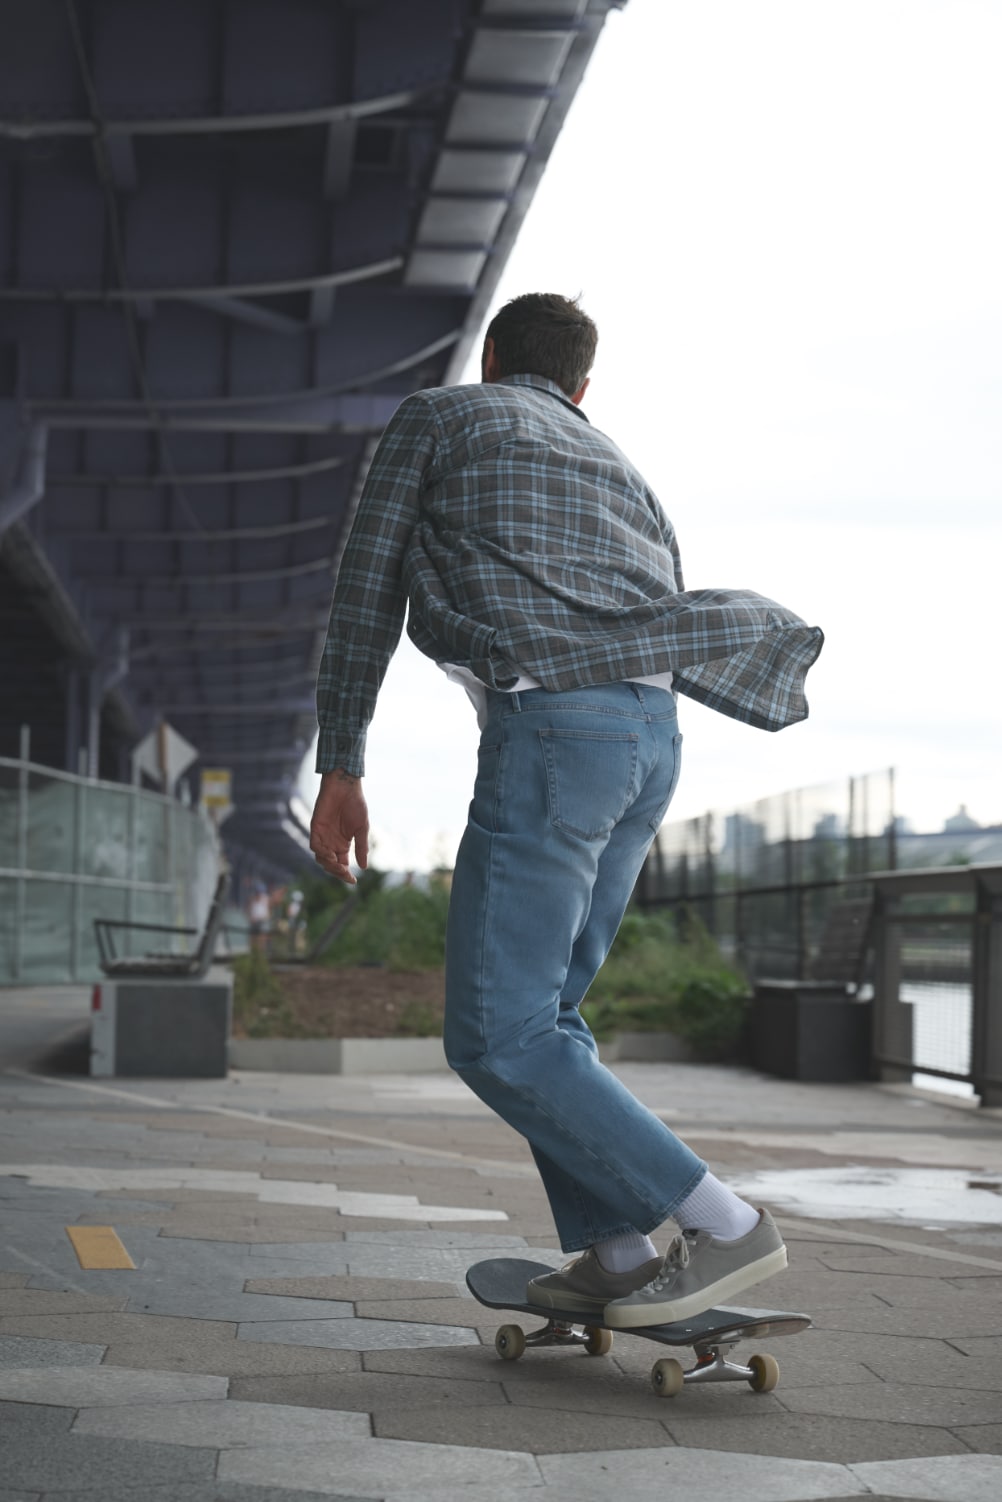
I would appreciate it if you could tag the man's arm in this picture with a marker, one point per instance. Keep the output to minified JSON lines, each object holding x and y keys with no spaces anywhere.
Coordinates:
{"x":367,"y":615}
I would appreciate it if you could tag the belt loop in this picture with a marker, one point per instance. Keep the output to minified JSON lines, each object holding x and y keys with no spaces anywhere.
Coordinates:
{"x":516,"y":702}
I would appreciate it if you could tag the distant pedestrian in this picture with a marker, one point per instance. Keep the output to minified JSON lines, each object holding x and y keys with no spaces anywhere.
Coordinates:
{"x":259,"y":915}
{"x":294,"y":919}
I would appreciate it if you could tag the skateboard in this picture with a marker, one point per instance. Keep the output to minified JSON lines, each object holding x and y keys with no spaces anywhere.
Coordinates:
{"x":499,"y":1283}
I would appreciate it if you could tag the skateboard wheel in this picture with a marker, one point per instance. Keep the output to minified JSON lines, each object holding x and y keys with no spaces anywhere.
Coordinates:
{"x":764,"y":1373}
{"x":598,"y":1342}
{"x":509,"y":1342}
{"x":667,"y":1377}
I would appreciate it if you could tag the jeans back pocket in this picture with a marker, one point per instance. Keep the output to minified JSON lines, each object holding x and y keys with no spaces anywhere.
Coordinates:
{"x":590,"y":779}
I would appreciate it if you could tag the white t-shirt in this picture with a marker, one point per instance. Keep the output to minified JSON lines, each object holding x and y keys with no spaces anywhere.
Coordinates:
{"x":477,"y":691}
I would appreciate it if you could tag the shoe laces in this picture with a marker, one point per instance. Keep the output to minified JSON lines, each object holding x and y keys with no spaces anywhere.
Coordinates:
{"x":676,"y":1258}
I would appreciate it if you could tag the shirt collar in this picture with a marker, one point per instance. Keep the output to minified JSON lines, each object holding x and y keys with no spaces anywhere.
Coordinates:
{"x":542,"y":383}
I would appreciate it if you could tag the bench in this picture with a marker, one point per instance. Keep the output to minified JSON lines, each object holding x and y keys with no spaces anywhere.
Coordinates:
{"x":164,"y":1013}
{"x":192,"y":964}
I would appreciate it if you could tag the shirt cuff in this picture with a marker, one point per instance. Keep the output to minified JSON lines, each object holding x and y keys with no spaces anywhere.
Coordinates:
{"x":342,"y":751}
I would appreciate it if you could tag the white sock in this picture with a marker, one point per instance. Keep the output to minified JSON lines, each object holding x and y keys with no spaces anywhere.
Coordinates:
{"x":621,"y":1254}
{"x":712,"y":1207}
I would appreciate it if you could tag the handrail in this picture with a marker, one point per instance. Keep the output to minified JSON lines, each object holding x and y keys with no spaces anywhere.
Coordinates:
{"x":894,"y":1051}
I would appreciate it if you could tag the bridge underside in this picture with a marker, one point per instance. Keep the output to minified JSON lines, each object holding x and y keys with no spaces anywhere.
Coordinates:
{"x":234,"y":234}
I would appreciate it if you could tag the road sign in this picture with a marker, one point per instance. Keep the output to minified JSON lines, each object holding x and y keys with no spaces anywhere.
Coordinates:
{"x":164,"y":755}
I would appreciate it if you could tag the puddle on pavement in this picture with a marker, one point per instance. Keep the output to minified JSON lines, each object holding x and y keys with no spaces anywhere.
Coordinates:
{"x":926,"y":1196}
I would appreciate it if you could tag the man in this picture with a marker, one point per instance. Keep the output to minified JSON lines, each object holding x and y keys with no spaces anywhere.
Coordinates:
{"x":540,"y":571}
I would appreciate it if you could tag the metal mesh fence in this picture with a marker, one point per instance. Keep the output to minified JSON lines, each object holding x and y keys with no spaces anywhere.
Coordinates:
{"x":941,"y":1026}
{"x":763,"y":877}
{"x":72,"y":850}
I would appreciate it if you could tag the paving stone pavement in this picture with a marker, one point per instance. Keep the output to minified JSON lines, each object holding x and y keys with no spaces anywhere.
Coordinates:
{"x":296,"y":1323}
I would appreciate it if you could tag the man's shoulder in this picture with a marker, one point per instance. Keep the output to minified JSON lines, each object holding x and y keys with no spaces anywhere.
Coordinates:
{"x":488,"y":395}
{"x":471,"y":395}
{"x":465,"y":409}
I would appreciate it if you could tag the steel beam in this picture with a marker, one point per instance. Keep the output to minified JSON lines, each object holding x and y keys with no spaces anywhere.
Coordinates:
{"x":185,"y":579}
{"x":190,"y":708}
{"x":214,"y":125}
{"x":192,"y":538}
{"x":217,"y":477}
{"x":22,"y":464}
{"x":205,"y":296}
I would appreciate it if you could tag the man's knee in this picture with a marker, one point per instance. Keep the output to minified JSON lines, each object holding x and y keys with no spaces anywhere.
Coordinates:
{"x":475,"y":1065}
{"x":460,"y":1056}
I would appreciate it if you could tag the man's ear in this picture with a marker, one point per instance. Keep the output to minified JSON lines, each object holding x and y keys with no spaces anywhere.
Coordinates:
{"x":578,"y":396}
{"x":490,"y":368}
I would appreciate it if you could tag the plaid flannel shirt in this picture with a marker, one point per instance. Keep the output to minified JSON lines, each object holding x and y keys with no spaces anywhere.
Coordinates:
{"x":523,"y":541}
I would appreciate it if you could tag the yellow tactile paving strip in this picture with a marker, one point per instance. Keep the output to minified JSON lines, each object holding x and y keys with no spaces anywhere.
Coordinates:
{"x":98,"y":1247}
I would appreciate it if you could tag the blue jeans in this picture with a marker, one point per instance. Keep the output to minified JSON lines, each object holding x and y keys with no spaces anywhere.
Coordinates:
{"x":570,"y":790}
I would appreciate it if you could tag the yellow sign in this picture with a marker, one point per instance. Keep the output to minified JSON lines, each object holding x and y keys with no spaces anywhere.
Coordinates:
{"x":216,"y":787}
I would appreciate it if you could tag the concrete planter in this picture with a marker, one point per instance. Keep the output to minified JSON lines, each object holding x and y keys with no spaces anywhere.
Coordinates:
{"x":652,"y":1048}
{"x":170,"y":1027}
{"x":338,"y":1055}
{"x":417,"y":1055}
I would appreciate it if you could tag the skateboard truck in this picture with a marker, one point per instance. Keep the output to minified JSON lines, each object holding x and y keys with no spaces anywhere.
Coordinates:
{"x":712,"y":1365}
{"x":668,"y":1375}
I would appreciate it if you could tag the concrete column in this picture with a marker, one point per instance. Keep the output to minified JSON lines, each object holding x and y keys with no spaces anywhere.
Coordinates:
{"x":72,"y":720}
{"x":22,"y":464}
{"x":95,"y":696}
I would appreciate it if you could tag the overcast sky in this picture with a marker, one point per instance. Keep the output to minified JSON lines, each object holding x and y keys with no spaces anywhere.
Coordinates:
{"x":785,"y":218}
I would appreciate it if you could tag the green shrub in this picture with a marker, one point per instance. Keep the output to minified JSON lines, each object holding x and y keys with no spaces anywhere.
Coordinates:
{"x":418,"y":1020}
{"x":666,"y":977}
{"x":322,"y":895}
{"x":402,"y":928}
{"x":710,"y":1014}
{"x":259,"y":1008}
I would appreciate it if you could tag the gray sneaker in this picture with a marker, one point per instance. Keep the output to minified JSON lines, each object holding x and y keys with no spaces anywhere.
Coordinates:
{"x":584,"y":1285}
{"x":699,"y":1272}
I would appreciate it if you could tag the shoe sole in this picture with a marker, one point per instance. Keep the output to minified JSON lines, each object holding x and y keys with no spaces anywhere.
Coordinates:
{"x":635,"y":1317}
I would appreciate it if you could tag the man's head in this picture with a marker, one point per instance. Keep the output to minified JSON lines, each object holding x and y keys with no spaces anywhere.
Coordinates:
{"x":541,"y":334}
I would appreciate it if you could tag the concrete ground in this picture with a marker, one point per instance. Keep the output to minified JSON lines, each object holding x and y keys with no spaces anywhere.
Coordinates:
{"x":296,"y":1321}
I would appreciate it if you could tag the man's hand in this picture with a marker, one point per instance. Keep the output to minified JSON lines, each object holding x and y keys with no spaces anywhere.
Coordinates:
{"x":340,"y":816}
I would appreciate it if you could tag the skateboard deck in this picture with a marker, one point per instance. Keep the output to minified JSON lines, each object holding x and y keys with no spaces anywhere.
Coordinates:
{"x":500,"y":1282}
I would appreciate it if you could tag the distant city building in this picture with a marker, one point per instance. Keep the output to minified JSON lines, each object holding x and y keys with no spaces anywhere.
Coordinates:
{"x":960,"y":822}
{"x":740,"y":832}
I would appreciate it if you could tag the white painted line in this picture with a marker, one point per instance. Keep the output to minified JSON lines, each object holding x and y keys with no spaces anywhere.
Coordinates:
{"x":526,"y":1170}
{"x":817,"y":1231}
{"x":52,"y":1272}
{"x":161,"y":1181}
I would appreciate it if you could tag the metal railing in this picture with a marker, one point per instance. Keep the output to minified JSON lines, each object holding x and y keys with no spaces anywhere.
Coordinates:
{"x":762,"y":878}
{"x":73,"y":849}
{"x":765,"y":879}
{"x":937,"y":978}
